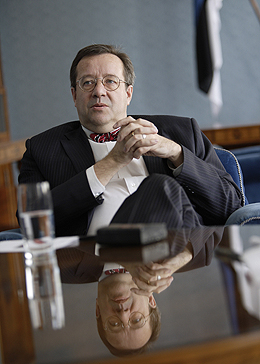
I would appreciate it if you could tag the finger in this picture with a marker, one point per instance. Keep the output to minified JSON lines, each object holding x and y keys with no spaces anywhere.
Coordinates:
{"x":144,"y":275}
{"x":161,"y":282}
{"x":161,"y":274}
{"x":136,"y":129}
{"x":137,"y":142}
{"x":139,"y":152}
{"x":136,"y":132}
{"x":162,"y":288}
{"x":152,"y":285}
{"x":123,"y":122}
{"x":144,"y":289}
{"x":152,"y":274}
{"x":151,"y":266}
{"x":158,"y":270}
{"x":143,"y":285}
{"x":130,"y":120}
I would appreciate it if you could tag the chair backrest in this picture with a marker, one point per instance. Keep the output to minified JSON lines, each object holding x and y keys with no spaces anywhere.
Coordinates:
{"x":232,"y":166}
{"x":249,"y":160}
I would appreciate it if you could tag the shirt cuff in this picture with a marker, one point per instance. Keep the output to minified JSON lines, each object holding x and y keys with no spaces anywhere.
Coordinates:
{"x":175,"y":171}
{"x":96,"y":187}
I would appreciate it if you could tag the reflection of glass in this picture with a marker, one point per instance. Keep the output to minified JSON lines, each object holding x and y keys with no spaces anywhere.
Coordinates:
{"x":44,"y":292}
{"x":36,"y":214}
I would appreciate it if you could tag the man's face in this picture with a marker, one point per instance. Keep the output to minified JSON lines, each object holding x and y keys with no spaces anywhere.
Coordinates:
{"x":100,"y":109}
{"x":116,"y":299}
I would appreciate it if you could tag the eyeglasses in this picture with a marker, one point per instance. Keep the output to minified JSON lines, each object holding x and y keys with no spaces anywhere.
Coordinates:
{"x":136,"y":321}
{"x":110,"y":82}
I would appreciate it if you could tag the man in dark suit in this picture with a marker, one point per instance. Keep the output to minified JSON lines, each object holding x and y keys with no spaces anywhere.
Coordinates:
{"x":157,"y":169}
{"x":160,"y":169}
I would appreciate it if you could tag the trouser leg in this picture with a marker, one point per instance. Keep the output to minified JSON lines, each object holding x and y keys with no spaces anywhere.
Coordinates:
{"x":159,"y":198}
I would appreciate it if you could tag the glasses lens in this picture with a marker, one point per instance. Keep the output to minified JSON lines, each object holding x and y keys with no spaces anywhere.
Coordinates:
{"x":114,"y":324}
{"x":111,"y":82}
{"x":87,"y":83}
{"x":137,"y":320}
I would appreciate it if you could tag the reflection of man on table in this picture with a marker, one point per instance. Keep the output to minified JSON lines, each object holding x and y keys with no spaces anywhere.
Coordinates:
{"x":128,"y":319}
{"x":158,"y":170}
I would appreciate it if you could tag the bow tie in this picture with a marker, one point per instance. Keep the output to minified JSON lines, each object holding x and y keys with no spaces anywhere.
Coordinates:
{"x":115,"y":271}
{"x":105,"y":137}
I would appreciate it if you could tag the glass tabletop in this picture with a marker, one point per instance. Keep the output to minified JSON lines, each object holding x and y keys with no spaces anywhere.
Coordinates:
{"x":195,"y":309}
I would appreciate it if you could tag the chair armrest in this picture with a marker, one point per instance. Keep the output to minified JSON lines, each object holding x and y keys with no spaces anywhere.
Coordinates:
{"x":248,"y":214}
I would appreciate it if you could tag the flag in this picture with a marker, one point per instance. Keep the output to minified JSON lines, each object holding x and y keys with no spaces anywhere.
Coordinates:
{"x":208,"y":50}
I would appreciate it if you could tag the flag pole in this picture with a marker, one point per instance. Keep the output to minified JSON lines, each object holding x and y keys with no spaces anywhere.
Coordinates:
{"x":256,"y":8}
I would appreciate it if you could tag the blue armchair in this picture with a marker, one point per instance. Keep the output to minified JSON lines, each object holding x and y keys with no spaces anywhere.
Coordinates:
{"x":243,"y":165}
{"x":249,"y":160}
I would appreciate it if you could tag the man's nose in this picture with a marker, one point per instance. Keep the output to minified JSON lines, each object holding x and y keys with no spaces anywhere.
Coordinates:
{"x":122,"y":307}
{"x":99,"y":89}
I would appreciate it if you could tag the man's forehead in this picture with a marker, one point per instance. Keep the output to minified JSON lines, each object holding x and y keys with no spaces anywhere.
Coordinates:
{"x":103,"y":62}
{"x":131,"y":339}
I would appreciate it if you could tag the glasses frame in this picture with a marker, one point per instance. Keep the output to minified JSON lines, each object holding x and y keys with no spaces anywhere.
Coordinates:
{"x":102,"y":79}
{"x":128,"y":323}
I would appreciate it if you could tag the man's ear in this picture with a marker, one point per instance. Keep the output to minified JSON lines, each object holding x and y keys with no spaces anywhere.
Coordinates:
{"x":73,"y":92}
{"x":129,"y":92}
{"x":97,"y":309}
{"x":152,"y":301}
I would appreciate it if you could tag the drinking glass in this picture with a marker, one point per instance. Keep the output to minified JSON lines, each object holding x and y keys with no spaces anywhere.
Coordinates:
{"x":36,"y":215}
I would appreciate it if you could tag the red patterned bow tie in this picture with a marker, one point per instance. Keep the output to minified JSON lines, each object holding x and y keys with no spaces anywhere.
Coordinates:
{"x":115,"y":271}
{"x":105,"y":137}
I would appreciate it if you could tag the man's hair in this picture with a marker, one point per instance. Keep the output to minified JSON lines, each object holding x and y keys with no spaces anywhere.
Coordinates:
{"x":97,"y":49}
{"x":155,"y":323}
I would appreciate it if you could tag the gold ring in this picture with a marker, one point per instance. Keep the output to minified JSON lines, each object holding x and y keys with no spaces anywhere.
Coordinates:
{"x":148,"y":282}
{"x":133,"y":133}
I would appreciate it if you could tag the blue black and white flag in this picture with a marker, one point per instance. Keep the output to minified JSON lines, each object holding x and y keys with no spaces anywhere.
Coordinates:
{"x":208,"y":50}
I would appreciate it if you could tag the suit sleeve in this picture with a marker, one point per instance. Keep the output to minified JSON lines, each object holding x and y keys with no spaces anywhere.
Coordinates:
{"x":209,"y":187}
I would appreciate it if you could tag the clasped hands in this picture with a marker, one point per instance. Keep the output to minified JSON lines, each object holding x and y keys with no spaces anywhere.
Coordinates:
{"x":135,"y":139}
{"x":140,"y":137}
{"x":156,"y":277}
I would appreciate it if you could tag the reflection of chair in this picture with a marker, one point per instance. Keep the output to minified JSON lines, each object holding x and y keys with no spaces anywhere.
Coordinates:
{"x":230,"y":246}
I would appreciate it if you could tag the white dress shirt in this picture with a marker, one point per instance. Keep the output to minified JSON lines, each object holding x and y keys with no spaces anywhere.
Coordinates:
{"x":123,"y":184}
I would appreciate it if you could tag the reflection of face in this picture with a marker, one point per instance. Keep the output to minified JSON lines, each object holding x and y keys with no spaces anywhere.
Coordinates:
{"x":116,"y":299}
{"x":100,"y":109}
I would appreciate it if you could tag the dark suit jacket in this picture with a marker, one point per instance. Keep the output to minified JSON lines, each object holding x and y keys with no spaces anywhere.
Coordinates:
{"x":62,"y":154}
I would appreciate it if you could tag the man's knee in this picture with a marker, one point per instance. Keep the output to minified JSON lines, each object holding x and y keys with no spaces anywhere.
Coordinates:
{"x":160,"y":181}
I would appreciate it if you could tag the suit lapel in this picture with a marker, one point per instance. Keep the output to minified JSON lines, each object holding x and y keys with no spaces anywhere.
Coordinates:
{"x":77,"y":148}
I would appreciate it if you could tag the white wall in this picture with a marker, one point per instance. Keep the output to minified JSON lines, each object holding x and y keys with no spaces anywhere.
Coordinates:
{"x":40,"y":38}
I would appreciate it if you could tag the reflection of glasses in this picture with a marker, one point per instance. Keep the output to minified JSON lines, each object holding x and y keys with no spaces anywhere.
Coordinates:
{"x":110,"y":82}
{"x":136,"y":321}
